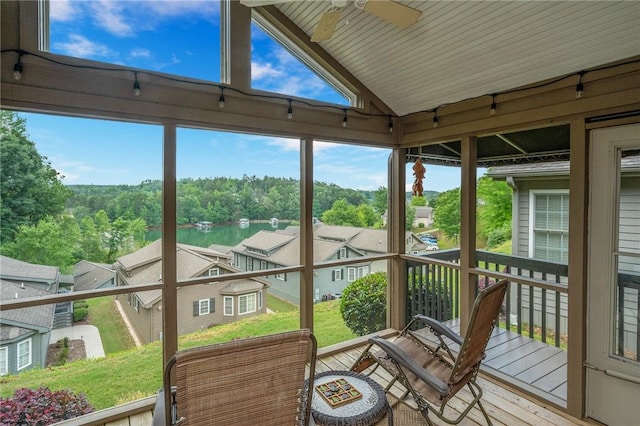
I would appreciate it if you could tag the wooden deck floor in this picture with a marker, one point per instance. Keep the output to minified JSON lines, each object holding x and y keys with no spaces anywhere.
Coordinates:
{"x":518,"y":358}
{"x":529,"y":364}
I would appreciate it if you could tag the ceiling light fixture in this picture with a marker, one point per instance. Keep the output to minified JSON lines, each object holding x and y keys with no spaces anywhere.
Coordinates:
{"x":580,"y":86}
{"x":494,"y":107}
{"x":435,"y":117}
{"x":390,"y":125}
{"x":345,"y":119}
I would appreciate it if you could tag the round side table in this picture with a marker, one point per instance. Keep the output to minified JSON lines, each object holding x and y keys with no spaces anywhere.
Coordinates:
{"x":365,"y":411}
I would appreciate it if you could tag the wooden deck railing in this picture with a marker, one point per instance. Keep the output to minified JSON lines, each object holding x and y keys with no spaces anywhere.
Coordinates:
{"x":536,"y":302}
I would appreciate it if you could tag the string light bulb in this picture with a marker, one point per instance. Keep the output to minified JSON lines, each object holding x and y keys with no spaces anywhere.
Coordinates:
{"x":289,"y":111}
{"x":390,"y":125}
{"x":435,"y":118}
{"x":494,"y":107}
{"x":580,"y":87}
{"x":136,"y":85}
{"x":344,"y":119}
{"x":221,"y":99}
{"x":17,"y":69}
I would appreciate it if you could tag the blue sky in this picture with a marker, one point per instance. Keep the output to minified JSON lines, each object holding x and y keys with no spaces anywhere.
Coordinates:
{"x":182,"y":38}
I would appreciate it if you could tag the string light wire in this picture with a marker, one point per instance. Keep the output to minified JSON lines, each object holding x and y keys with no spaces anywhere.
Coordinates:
{"x":18,"y":70}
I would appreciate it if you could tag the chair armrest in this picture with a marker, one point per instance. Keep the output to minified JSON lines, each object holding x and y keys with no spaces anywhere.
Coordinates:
{"x":440,"y":328}
{"x":405,"y":361}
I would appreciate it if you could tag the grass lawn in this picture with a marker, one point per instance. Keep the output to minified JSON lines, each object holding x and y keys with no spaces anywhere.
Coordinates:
{"x":113,"y":332}
{"x":134,"y":373}
{"x":279,"y":305}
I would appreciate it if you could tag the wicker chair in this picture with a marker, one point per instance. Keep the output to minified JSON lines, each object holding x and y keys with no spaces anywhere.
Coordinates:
{"x":429,"y":370}
{"x":253,"y":381}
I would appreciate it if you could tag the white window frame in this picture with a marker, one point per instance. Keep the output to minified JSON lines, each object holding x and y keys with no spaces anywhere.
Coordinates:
{"x":363,"y":271}
{"x":263,"y":265}
{"x":136,"y":303}
{"x":20,"y":353}
{"x":532,"y":218}
{"x":337,"y":275}
{"x":351,"y":274}
{"x":342,"y":253}
{"x":228,"y":306}
{"x":214,"y":272}
{"x":4,"y":361}
{"x":251,"y":303}
{"x":204,"y":307}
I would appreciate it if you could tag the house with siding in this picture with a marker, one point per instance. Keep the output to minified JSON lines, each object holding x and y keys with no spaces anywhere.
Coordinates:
{"x":200,"y":306}
{"x":280,"y":248}
{"x":540,"y":226}
{"x":24,"y":333}
{"x":90,"y":275}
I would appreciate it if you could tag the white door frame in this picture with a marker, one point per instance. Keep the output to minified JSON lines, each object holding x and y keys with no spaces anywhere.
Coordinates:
{"x":612,"y":382}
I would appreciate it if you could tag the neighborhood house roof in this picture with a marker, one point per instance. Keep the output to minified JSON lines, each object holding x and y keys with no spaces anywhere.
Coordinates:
{"x":89,"y":275}
{"x":15,"y":323}
{"x":17,"y":270}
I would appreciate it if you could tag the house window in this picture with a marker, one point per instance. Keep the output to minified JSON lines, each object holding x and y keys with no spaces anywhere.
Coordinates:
{"x":228,"y":305}
{"x":24,"y":354}
{"x":549,"y":226}
{"x":249,"y":263}
{"x":4,"y":361}
{"x":336,"y":275}
{"x":236,"y":259}
{"x":342,"y":253}
{"x":246,"y":303}
{"x":363,"y":271}
{"x":136,"y":303}
{"x":263,"y":265}
{"x":351,"y":274}
{"x":203,"y":307}
{"x":214,"y":272}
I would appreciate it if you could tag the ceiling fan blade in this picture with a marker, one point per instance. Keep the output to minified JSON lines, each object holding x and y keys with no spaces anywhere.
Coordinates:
{"x":326,"y":26}
{"x":398,"y":14}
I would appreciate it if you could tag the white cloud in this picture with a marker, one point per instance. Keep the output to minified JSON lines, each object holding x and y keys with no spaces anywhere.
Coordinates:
{"x":110,"y":16}
{"x":80,"y":46}
{"x":260,"y":71}
{"x":140,"y":53}
{"x":61,"y":10}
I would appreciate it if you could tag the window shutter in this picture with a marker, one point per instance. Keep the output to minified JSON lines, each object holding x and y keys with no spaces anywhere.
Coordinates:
{"x":333,"y":275}
{"x":212,"y":305}
{"x":196,"y":308}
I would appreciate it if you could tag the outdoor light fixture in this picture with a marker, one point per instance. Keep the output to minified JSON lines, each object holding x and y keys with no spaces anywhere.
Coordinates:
{"x":435,"y":118}
{"x":390,"y":125}
{"x":494,"y":107}
{"x":136,"y":85}
{"x":221,"y":100}
{"x":17,"y":70}
{"x":290,"y":111}
{"x":580,"y":86}
{"x":344,"y":120}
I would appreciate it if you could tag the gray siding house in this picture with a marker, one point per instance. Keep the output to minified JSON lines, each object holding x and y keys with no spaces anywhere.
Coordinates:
{"x":540,"y":225}
{"x":90,"y":275}
{"x":200,"y":306}
{"x":24,"y":333}
{"x":281,"y":248}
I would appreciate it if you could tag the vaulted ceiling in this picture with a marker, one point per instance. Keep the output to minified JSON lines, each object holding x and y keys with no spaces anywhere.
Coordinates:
{"x":463,"y":49}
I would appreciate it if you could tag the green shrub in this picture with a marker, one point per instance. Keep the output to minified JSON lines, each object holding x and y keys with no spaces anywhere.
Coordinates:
{"x":80,"y":304}
{"x":499,"y":236}
{"x":363,"y":304}
{"x":80,"y":314}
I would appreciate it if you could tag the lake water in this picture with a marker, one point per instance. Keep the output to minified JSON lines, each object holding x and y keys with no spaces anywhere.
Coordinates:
{"x":228,"y":234}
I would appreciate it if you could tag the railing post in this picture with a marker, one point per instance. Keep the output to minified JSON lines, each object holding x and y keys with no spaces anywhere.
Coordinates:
{"x":468,"y":281}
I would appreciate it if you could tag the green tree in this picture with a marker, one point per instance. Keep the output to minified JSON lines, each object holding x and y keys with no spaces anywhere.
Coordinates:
{"x":363,"y":304}
{"x":380,"y":200}
{"x":342,"y":213}
{"x":494,"y":209}
{"x":30,"y":189}
{"x":90,"y":241}
{"x":446,"y":214}
{"x":417,"y":200}
{"x":49,"y":242}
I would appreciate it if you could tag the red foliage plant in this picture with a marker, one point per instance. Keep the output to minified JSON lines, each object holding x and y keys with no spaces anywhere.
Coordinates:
{"x":40,"y":407}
